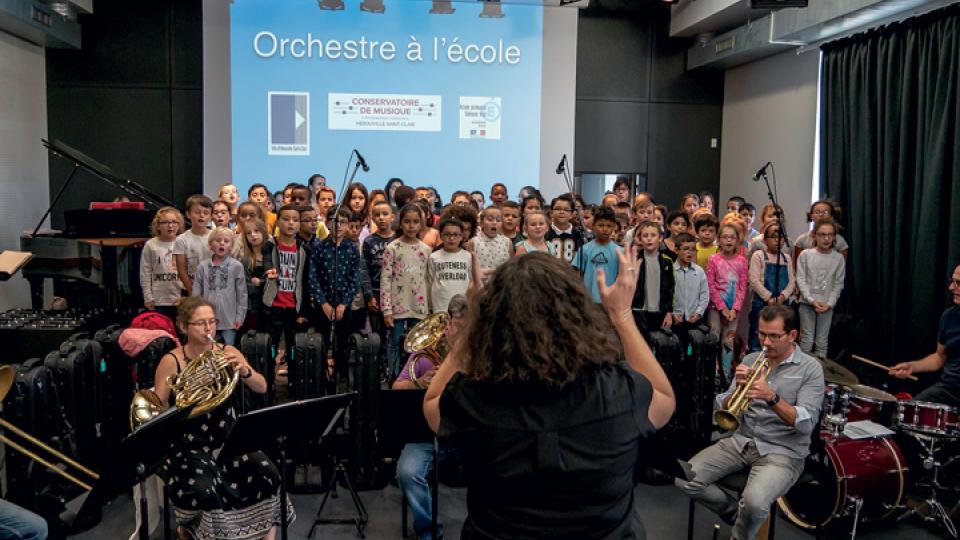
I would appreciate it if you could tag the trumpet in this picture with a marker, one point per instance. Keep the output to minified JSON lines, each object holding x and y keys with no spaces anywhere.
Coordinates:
{"x":729,"y":419}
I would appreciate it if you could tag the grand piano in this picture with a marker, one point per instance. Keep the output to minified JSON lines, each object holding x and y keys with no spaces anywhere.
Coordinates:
{"x":88,"y":247}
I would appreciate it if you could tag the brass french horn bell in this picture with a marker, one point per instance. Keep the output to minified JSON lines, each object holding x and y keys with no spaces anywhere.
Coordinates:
{"x":427,"y":333}
{"x":6,"y":382}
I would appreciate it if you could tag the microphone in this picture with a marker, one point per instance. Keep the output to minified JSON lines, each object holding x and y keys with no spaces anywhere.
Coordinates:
{"x":560,"y":167}
{"x":756,"y":177}
{"x":363,"y":162}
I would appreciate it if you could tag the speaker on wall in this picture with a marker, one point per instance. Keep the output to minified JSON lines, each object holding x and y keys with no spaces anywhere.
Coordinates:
{"x":776,"y":4}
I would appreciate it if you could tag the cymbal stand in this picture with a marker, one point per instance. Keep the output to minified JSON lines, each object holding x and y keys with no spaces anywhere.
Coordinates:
{"x":936,"y":513}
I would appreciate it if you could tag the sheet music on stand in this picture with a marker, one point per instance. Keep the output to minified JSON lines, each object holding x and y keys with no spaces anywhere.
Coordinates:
{"x":865,"y":429}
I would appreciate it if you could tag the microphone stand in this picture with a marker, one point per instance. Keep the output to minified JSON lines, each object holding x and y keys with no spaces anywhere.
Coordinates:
{"x":778,"y":215}
{"x":336,"y":252}
{"x":578,"y":241}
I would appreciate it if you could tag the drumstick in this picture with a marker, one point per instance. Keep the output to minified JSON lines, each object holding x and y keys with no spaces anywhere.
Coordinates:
{"x":878,"y":365}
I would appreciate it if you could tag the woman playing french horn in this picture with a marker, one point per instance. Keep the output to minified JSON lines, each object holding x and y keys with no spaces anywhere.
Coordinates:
{"x":214,"y":495}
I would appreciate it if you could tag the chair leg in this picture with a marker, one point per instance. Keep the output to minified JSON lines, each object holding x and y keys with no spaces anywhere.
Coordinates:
{"x":403,"y":515}
{"x":690,"y":512}
{"x":773,"y":520}
{"x":435,"y":490}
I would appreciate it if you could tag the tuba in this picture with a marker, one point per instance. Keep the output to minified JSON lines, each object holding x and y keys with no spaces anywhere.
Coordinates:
{"x":203,"y":385}
{"x":427,"y":336}
{"x":729,"y":419}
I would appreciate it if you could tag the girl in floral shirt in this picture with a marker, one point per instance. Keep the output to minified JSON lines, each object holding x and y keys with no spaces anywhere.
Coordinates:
{"x":403,"y":290}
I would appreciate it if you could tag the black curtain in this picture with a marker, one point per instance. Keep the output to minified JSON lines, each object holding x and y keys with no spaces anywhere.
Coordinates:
{"x":890,"y":155}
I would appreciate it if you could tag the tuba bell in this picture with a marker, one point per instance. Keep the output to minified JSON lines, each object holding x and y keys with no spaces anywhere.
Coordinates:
{"x":428,"y":336}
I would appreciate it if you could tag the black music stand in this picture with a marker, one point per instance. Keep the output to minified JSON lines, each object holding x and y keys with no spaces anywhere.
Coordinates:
{"x":136,"y":458}
{"x":401,"y":421}
{"x":295,"y":420}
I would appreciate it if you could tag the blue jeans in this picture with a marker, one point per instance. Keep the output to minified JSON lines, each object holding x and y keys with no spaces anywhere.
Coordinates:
{"x":19,"y":523}
{"x":413,"y":468}
{"x":229,"y":336}
{"x":395,"y":357}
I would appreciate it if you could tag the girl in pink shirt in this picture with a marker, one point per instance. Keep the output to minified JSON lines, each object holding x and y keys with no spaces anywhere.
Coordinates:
{"x":727,"y":282}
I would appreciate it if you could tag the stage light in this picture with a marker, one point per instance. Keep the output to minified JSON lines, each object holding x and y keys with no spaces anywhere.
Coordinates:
{"x":491,"y":9}
{"x":373,"y":6}
{"x":442,"y":7}
{"x":671,"y":1}
{"x":331,"y":5}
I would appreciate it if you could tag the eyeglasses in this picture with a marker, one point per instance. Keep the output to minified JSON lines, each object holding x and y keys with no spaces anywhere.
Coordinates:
{"x":772,"y":337}
{"x":954,"y":282}
{"x":728,"y":237}
{"x":165,"y":223}
{"x":205,"y":322}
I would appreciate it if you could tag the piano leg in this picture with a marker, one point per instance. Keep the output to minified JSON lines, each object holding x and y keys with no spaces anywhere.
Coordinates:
{"x":36,"y":291}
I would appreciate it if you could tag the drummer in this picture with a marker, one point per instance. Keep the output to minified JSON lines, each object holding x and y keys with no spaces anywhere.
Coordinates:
{"x":946,"y":357}
{"x":416,"y":459}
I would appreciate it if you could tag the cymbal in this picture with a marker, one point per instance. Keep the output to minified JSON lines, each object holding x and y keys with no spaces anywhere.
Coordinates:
{"x":835,"y":373}
{"x":871,"y":392}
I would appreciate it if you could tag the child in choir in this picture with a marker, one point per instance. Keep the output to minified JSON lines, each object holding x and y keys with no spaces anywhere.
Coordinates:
{"x":222,"y":282}
{"x":256,"y":242}
{"x":326,"y":199}
{"x":689,"y":203}
{"x":333,"y":270}
{"x":748,"y":213}
{"x":428,"y":234}
{"x":490,"y":247}
{"x":705,"y":226}
{"x":691,"y":294}
{"x":229,"y":194}
{"x":727,"y":279}
{"x":768,"y":214}
{"x":771,"y":278}
{"x":158,"y":270}
{"x":310,"y":314}
{"x":588,"y":212}
{"x":706,"y":200}
{"x":643,"y":210}
{"x":822,"y":209}
{"x":530,"y":203}
{"x":192,"y":247}
{"x":820,"y":274}
{"x":403,"y":292}
{"x":300,"y":195}
{"x":535,"y":229}
{"x":609,"y":200}
{"x":599,"y":253}
{"x":283,"y":294}
{"x":260,"y":195}
{"x":677,"y":222}
{"x":371,"y":263}
{"x":562,"y":234}
{"x":734,"y":203}
{"x":660,"y":217}
{"x":511,"y":222}
{"x":623,"y":209}
{"x":653,"y":299}
{"x":623,"y":229}
{"x":358,"y":308}
{"x":452,"y":269}
{"x":498,"y":194}
{"x":221,"y":214}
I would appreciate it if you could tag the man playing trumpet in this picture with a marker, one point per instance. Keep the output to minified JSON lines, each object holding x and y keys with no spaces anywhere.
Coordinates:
{"x":772,"y":437}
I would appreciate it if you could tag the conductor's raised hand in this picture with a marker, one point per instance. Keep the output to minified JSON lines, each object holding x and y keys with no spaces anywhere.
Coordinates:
{"x":618,"y":298}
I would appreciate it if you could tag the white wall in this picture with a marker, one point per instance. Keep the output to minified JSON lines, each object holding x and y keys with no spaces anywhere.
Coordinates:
{"x":217,"y":164}
{"x":558,"y":92}
{"x":769,"y":114}
{"x":24,"y":178}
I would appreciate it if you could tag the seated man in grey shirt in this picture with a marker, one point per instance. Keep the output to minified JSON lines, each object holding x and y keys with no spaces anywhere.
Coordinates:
{"x":774,"y":433}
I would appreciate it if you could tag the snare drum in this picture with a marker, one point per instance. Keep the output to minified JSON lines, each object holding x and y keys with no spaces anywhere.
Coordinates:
{"x":927,"y":417}
{"x":847,"y":473}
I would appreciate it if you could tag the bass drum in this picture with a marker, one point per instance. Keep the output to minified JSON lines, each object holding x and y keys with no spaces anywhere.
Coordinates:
{"x":846,"y":473}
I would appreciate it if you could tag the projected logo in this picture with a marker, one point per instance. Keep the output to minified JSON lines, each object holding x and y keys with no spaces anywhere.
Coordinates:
{"x":480,"y":117}
{"x":288,"y":122}
{"x":384,"y":112}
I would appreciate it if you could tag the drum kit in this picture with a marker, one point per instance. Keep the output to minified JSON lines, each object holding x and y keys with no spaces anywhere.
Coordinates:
{"x":859,"y":466}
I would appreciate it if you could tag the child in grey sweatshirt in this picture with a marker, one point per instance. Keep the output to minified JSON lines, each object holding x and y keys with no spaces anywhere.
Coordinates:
{"x":820,"y":274}
{"x":221,"y":281}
